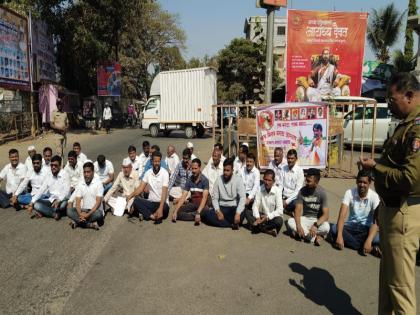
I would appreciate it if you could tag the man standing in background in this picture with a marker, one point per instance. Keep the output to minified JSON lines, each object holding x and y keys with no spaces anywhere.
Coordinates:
{"x":60,"y":124}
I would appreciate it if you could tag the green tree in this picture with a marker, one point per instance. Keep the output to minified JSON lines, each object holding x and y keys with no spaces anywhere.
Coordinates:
{"x":383,"y":30}
{"x":409,"y":40}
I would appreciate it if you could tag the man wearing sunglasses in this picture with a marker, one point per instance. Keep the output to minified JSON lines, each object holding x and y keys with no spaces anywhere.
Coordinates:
{"x":56,"y":188}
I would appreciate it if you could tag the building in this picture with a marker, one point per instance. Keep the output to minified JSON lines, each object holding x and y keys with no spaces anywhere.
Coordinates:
{"x":279,"y":49}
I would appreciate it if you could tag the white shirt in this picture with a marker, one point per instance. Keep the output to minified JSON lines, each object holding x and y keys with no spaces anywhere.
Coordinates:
{"x":193,"y":156}
{"x":75,"y":174}
{"x":103,"y":173}
{"x":270,"y":204}
{"x":291,"y":181}
{"x":137,"y":165}
{"x":107,"y":114}
{"x":277,"y":170}
{"x":13,"y":176}
{"x":46,"y":166}
{"x":172,"y":162}
{"x":28,"y":164}
{"x":143,"y":160}
{"x":36,"y":180}
{"x":238,"y":166}
{"x":222,"y":159}
{"x":156,"y":182}
{"x":82,"y":158}
{"x":88,"y":193}
{"x":360,"y":210}
{"x":56,"y":187}
{"x":251,"y":180}
{"x":213,"y":173}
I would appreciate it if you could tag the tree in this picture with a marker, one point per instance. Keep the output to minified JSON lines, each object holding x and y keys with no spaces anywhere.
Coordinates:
{"x":383,"y":30}
{"x":409,"y":40}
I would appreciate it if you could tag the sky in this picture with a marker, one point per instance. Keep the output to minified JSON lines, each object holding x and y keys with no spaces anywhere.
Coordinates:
{"x":211,"y":24}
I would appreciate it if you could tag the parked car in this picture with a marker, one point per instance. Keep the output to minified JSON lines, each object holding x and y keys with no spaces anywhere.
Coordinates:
{"x":383,"y":119}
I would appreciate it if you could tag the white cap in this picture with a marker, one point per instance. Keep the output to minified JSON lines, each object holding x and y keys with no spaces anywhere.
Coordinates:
{"x":126,"y":162}
{"x":190,"y":145}
{"x":246,"y":144}
{"x":31,"y":148}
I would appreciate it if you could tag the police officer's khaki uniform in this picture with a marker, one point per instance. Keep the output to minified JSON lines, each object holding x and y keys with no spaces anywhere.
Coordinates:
{"x":60,"y":121}
{"x":398,"y":184}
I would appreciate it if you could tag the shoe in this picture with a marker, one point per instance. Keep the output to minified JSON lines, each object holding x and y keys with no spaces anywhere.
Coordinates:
{"x":94,"y":226}
{"x":235,"y":226}
{"x":57,"y":216}
{"x":73,"y":225}
{"x":141,"y":217}
{"x":272,"y":232}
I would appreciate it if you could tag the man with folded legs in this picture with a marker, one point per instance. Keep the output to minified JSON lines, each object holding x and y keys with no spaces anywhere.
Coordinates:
{"x":56,"y":189}
{"x":105,"y":171}
{"x":198,"y":186}
{"x":28,"y":161}
{"x":310,"y":221}
{"x":14,"y":173}
{"x":88,"y":212}
{"x":154,"y":208}
{"x":240,"y":161}
{"x":277,"y":163}
{"x":251,"y":178}
{"x":81,"y":157}
{"x":228,"y":199}
{"x":180,"y":176}
{"x":214,"y":170}
{"x":267,"y":211}
{"x":46,"y":158}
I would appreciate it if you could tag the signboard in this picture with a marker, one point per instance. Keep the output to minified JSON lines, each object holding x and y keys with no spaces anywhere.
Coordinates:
{"x":324,"y":54}
{"x":109,"y":79}
{"x":43,"y":53}
{"x":14,"y":51}
{"x":299,"y":126}
{"x":271,"y":3}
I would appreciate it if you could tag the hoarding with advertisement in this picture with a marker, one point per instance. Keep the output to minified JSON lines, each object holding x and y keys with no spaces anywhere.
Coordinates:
{"x":299,"y":126}
{"x":109,"y":79}
{"x":14,"y":51}
{"x":43,"y":53}
{"x":324,"y":54}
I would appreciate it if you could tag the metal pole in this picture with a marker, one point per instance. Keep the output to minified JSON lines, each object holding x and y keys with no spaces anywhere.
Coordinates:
{"x":269,"y":57}
{"x":30,"y":76}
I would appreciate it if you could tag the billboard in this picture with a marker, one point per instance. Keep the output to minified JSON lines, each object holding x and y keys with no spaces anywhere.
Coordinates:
{"x":43,"y":53}
{"x":324,"y":54}
{"x":109,"y":79}
{"x":14,"y":51}
{"x":299,"y":126}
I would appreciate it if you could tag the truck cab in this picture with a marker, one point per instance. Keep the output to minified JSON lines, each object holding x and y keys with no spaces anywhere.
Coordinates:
{"x":150,"y":112}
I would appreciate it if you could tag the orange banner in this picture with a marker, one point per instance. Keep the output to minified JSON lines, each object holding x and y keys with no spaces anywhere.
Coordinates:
{"x":324,"y":54}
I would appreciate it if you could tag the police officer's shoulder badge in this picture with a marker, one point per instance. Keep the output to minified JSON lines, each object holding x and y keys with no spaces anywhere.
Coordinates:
{"x":415,"y":145}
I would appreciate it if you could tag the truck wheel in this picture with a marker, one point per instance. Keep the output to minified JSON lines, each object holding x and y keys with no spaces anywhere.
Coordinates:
{"x":200,"y":131}
{"x":154,"y":131}
{"x":190,"y":132}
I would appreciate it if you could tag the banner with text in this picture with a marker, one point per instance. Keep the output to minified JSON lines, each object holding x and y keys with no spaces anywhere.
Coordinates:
{"x":109,"y":79}
{"x":324,"y":54}
{"x":14,"y":52}
{"x":299,"y":126}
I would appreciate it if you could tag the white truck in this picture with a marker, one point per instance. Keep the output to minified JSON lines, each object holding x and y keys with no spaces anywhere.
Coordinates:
{"x":181,"y":100}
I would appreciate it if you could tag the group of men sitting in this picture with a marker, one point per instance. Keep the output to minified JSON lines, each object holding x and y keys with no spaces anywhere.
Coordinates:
{"x":226,"y":192}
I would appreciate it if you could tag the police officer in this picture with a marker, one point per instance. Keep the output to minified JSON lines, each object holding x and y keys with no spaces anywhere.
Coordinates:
{"x":60,"y":124}
{"x":397,"y":182}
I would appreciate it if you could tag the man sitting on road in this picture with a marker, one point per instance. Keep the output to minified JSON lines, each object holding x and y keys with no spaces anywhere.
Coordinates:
{"x":74,"y":170}
{"x":46,"y":158}
{"x":219,"y":147}
{"x":154,"y":208}
{"x":105,"y":171}
{"x":360,"y":231}
{"x":149,"y":165}
{"x":228,"y":199}
{"x":291,"y":181}
{"x":251,"y":178}
{"x":33,"y":179}
{"x":14,"y":173}
{"x":310,"y":220}
{"x":214,"y":170}
{"x":126,"y":183}
{"x":180,"y":176}
{"x":56,"y":189}
{"x":81,"y":157}
{"x":198,"y":186}
{"x":144,"y":156}
{"x":267,"y":211}
{"x":277,"y":164}
{"x":240,"y":161}
{"x":172,"y":159}
{"x":88,"y":212}
{"x":135,"y":160}
{"x":28,"y":161}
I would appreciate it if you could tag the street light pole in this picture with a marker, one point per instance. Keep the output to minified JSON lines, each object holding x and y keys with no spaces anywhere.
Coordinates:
{"x":269,"y":58}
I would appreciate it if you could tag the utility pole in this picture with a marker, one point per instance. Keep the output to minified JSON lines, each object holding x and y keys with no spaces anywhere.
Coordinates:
{"x":31,"y":69}
{"x":269,"y":57}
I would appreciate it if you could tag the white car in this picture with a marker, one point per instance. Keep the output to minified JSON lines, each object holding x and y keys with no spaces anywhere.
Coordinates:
{"x":383,"y":120}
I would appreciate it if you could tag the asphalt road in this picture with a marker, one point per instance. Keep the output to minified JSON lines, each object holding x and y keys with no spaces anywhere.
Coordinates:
{"x":130,"y":267}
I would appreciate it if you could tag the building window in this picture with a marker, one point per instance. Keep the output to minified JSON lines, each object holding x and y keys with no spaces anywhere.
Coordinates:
{"x":281,"y":30}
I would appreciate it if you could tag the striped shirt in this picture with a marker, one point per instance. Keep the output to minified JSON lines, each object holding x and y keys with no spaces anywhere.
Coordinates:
{"x":197,"y":188}
{"x":179,"y":177}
